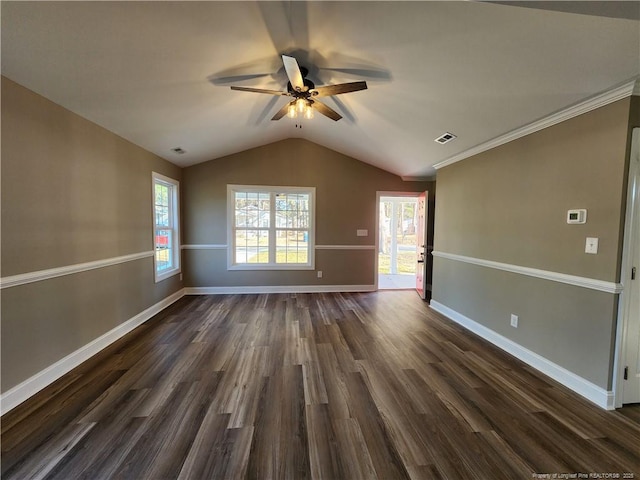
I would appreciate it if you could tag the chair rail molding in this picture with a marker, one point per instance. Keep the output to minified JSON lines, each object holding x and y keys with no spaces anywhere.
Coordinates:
{"x":592,"y":283}
{"x":39,"y":275}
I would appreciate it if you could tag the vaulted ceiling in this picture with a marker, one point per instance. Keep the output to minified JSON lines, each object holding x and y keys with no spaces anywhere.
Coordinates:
{"x":158,"y":73}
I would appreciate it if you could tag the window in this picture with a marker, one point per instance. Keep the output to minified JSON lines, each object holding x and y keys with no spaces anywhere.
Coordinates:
{"x":271,"y":228}
{"x":166,"y":227}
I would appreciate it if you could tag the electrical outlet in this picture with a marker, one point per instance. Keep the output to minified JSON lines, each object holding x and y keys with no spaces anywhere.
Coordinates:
{"x":514,"y":321}
{"x":180,"y":277}
{"x":319,"y":273}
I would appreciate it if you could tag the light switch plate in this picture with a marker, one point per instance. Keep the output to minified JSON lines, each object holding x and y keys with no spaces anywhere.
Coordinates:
{"x":361,"y":232}
{"x":591,"y":245}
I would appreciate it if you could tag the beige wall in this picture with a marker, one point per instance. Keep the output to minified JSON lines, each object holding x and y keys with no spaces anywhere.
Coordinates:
{"x":72,"y":192}
{"x":345,"y":201}
{"x":509,"y":205}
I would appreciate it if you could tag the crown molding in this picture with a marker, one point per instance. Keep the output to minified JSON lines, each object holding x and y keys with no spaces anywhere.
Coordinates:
{"x":627,"y":89}
{"x":419,"y":179}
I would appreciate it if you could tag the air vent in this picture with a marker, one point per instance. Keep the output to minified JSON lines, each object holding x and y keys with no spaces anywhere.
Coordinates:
{"x":178,"y":150}
{"x":445,"y":138}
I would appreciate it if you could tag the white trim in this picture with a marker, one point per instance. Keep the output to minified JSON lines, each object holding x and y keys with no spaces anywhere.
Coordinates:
{"x":624,"y":301}
{"x":272,"y":191}
{"x":174,"y":224}
{"x":345,"y":247}
{"x":239,"y":290}
{"x":317,"y":247}
{"x":387,"y":193}
{"x":380,"y":194}
{"x":592,"y":283}
{"x":18,"y":394}
{"x":37,"y":276}
{"x":583,"y":387}
{"x":430,"y":178}
{"x":585,"y":106}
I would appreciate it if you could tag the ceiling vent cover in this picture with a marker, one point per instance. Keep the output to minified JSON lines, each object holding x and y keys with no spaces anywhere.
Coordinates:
{"x":445,"y":138}
{"x":178,"y":150}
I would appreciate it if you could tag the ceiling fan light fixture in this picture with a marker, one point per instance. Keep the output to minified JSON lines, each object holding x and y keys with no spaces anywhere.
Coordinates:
{"x":291,"y":110}
{"x":302,"y":90}
{"x":308,"y":112}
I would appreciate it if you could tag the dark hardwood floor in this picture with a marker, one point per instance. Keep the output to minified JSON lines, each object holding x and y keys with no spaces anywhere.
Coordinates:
{"x":334,"y":386}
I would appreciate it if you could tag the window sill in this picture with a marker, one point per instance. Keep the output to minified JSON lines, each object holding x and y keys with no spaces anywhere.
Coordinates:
{"x":164,"y":275}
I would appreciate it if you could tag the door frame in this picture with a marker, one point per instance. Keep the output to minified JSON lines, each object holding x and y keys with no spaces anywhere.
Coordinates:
{"x":384,"y":193}
{"x":631,"y":234}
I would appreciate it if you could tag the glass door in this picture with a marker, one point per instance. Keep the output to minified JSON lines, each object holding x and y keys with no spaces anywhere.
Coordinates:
{"x":397,"y":257}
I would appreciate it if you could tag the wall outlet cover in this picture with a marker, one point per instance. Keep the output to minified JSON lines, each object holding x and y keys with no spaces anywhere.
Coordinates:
{"x":591,"y":245}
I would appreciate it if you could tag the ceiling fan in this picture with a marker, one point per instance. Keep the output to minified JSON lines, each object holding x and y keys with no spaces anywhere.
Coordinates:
{"x":305,"y":93}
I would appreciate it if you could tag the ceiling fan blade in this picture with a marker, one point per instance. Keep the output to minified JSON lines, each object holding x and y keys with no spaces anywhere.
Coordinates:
{"x":293,"y":72}
{"x":287,"y":23}
{"x":329,"y":90}
{"x":258,"y":90}
{"x":371,"y":73}
{"x":281,"y":113}
{"x":326,"y":111}
{"x":236,"y":78}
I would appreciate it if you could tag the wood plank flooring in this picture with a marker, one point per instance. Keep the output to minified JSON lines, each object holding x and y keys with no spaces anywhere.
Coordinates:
{"x":331,"y":386}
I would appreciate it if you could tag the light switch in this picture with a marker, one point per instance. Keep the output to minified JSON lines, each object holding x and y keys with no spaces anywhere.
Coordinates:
{"x":591,"y":245}
{"x":362,"y":232}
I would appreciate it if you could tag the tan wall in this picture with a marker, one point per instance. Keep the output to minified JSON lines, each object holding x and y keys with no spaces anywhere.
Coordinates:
{"x":72,"y":192}
{"x":345,"y":201}
{"x":509,"y":205}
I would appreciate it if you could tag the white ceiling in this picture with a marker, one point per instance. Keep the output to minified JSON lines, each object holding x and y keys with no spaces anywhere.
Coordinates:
{"x":157,"y":73}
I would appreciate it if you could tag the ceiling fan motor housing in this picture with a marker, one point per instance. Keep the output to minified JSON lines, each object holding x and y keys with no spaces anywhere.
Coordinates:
{"x":304,"y":94}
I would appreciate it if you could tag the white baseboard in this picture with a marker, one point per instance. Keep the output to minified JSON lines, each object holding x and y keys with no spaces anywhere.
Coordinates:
{"x":18,"y":394}
{"x":583,"y":387}
{"x":278,"y":289}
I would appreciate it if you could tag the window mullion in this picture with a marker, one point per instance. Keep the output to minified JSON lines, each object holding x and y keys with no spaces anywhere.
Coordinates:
{"x":170,"y":194}
{"x":272,"y":228}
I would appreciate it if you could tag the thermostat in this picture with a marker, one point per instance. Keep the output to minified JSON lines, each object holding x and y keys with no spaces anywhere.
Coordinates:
{"x":577,"y":216}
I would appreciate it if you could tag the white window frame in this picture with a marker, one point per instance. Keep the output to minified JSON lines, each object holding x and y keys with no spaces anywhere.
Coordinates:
{"x":272,"y":190}
{"x":174,"y":224}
